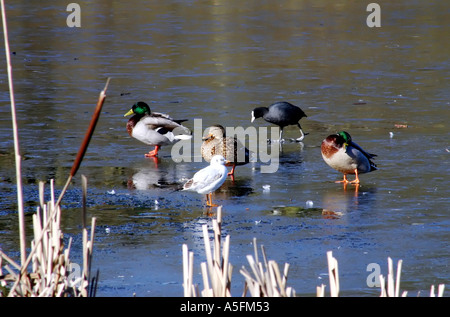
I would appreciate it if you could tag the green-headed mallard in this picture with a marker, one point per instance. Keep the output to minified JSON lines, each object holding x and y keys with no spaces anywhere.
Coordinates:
{"x":347,"y":157}
{"x":154,"y":128}
{"x":282,"y":114}
{"x":216,"y":142}
{"x":208,"y":179}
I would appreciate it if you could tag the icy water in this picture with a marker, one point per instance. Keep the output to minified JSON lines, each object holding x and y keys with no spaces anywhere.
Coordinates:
{"x":215,"y":61}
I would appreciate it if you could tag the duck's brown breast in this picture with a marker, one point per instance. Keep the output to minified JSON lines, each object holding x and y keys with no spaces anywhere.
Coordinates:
{"x":329,"y":146}
{"x":132,"y":123}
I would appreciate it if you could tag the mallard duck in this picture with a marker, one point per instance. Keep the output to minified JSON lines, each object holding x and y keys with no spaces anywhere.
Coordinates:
{"x":208,"y":179}
{"x":154,"y":128}
{"x":347,"y":157}
{"x":282,"y":114}
{"x":216,"y":142}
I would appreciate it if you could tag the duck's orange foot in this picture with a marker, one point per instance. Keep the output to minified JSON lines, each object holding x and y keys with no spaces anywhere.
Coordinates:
{"x":153,"y":153}
{"x":345,"y":180}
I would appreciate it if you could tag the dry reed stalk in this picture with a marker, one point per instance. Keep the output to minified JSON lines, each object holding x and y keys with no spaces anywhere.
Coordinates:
{"x":87,"y":244}
{"x":333,"y":274}
{"x":18,"y":158}
{"x":216,"y":272}
{"x":188,"y":269}
{"x":320,"y":291}
{"x":392,"y":289}
{"x":440,"y":293}
{"x":266,"y":281}
{"x":86,"y":140}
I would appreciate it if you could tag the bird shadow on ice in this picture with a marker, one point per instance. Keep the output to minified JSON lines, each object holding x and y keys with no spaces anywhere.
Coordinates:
{"x":334,"y":203}
{"x":347,"y":198}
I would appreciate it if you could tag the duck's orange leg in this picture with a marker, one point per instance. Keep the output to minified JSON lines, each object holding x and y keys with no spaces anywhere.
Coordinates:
{"x":231,"y":174}
{"x":356,"y":181}
{"x":153,"y":153}
{"x":232,"y":170}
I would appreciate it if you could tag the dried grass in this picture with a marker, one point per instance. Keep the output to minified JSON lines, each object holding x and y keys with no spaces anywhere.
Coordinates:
{"x":264,"y":279}
{"x":51,"y":269}
{"x":216,"y":271}
{"x":391,"y":287}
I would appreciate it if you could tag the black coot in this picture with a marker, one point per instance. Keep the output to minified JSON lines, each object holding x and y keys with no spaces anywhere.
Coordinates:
{"x":282,"y":114}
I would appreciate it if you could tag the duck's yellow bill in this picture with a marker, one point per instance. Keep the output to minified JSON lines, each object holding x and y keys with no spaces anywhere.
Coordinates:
{"x":128,"y":113}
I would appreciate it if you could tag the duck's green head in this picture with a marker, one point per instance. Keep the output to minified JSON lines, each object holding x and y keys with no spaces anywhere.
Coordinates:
{"x":139,"y":108}
{"x":347,"y":138}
